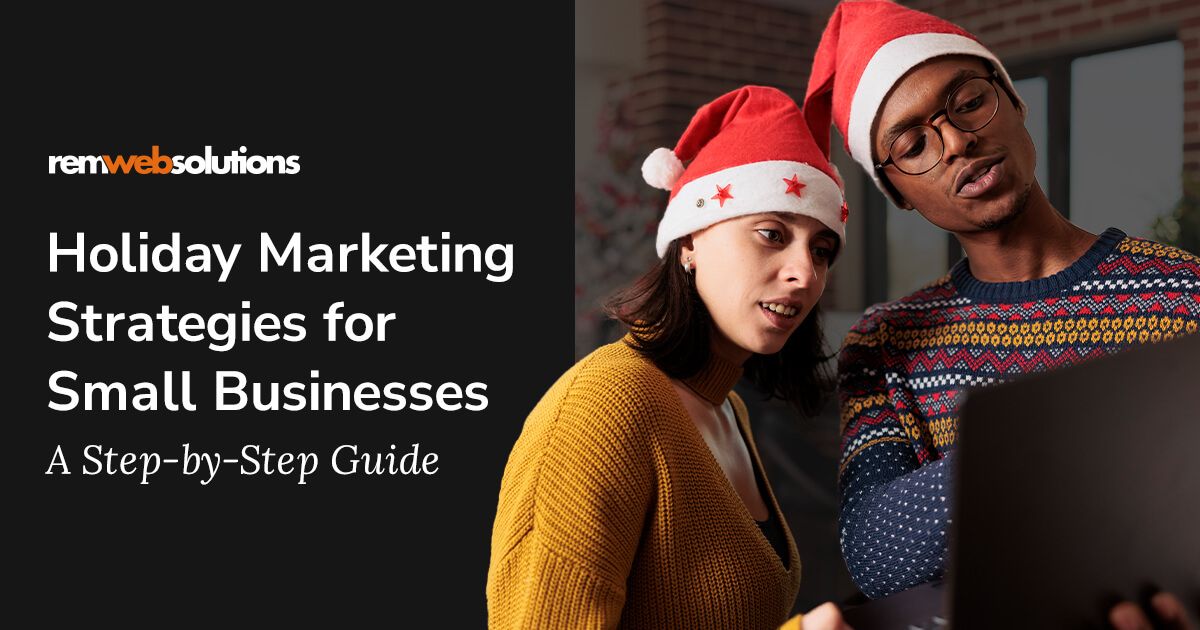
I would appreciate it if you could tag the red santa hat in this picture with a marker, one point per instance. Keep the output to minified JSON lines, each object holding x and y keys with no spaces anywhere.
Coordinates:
{"x":749,"y":151}
{"x":867,"y":47}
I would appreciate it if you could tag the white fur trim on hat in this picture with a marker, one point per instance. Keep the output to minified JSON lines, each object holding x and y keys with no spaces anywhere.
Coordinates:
{"x":886,"y":67}
{"x":756,"y":188}
{"x":662,"y":168}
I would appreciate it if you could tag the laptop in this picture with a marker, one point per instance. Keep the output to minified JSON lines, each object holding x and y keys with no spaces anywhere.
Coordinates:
{"x":1075,"y":489}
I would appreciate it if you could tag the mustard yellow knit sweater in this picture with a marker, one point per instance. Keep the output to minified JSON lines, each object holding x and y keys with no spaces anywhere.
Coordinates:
{"x":614,"y":513}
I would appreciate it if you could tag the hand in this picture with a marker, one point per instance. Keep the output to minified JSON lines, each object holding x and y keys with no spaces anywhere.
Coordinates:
{"x":827,"y":616}
{"x":1129,"y":616}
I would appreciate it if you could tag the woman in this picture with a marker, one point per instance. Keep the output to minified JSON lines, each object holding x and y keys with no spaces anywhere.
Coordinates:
{"x":635,"y":496}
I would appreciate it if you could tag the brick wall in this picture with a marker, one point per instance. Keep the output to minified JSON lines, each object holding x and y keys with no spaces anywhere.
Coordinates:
{"x":1028,"y":29}
{"x":701,"y":49}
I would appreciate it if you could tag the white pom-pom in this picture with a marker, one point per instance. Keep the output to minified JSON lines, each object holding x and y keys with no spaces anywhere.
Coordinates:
{"x":662,"y":169}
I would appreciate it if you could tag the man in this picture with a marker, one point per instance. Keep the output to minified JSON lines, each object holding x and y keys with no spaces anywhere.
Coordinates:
{"x":933,"y":118}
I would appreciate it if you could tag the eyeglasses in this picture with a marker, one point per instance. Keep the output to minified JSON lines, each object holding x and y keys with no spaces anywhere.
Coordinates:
{"x":970,"y":107}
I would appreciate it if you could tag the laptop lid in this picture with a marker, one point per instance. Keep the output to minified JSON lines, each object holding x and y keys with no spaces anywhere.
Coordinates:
{"x":1076,"y":488}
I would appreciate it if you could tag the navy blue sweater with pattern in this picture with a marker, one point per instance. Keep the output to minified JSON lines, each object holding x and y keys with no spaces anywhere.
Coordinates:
{"x":904,"y":365}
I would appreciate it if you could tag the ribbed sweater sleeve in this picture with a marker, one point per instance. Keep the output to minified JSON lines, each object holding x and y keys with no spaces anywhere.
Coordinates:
{"x":568,"y":527}
{"x":894,"y":510}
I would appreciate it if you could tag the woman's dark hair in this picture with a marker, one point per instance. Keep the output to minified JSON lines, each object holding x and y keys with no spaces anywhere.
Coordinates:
{"x":671,"y":326}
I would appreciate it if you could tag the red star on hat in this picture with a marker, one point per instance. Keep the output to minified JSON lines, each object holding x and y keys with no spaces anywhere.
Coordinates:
{"x":794,"y":185}
{"x":845,"y":212}
{"x":723,"y":194}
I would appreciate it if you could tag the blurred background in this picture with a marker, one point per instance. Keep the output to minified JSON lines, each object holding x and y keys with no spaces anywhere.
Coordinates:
{"x":1113,"y":90}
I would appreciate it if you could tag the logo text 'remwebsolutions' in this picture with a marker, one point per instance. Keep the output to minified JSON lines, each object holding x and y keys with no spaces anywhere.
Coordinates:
{"x":156,"y":163}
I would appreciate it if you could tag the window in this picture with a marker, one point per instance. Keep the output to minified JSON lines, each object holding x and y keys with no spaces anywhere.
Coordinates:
{"x":1126,"y":137}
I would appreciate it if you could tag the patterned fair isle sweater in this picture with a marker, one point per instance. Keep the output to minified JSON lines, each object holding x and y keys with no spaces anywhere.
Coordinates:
{"x":905,"y":364}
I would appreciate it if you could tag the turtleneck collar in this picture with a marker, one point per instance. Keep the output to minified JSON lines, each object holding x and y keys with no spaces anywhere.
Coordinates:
{"x":715,"y":380}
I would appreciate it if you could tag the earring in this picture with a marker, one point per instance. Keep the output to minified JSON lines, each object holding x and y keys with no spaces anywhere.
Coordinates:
{"x":688,"y":267}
